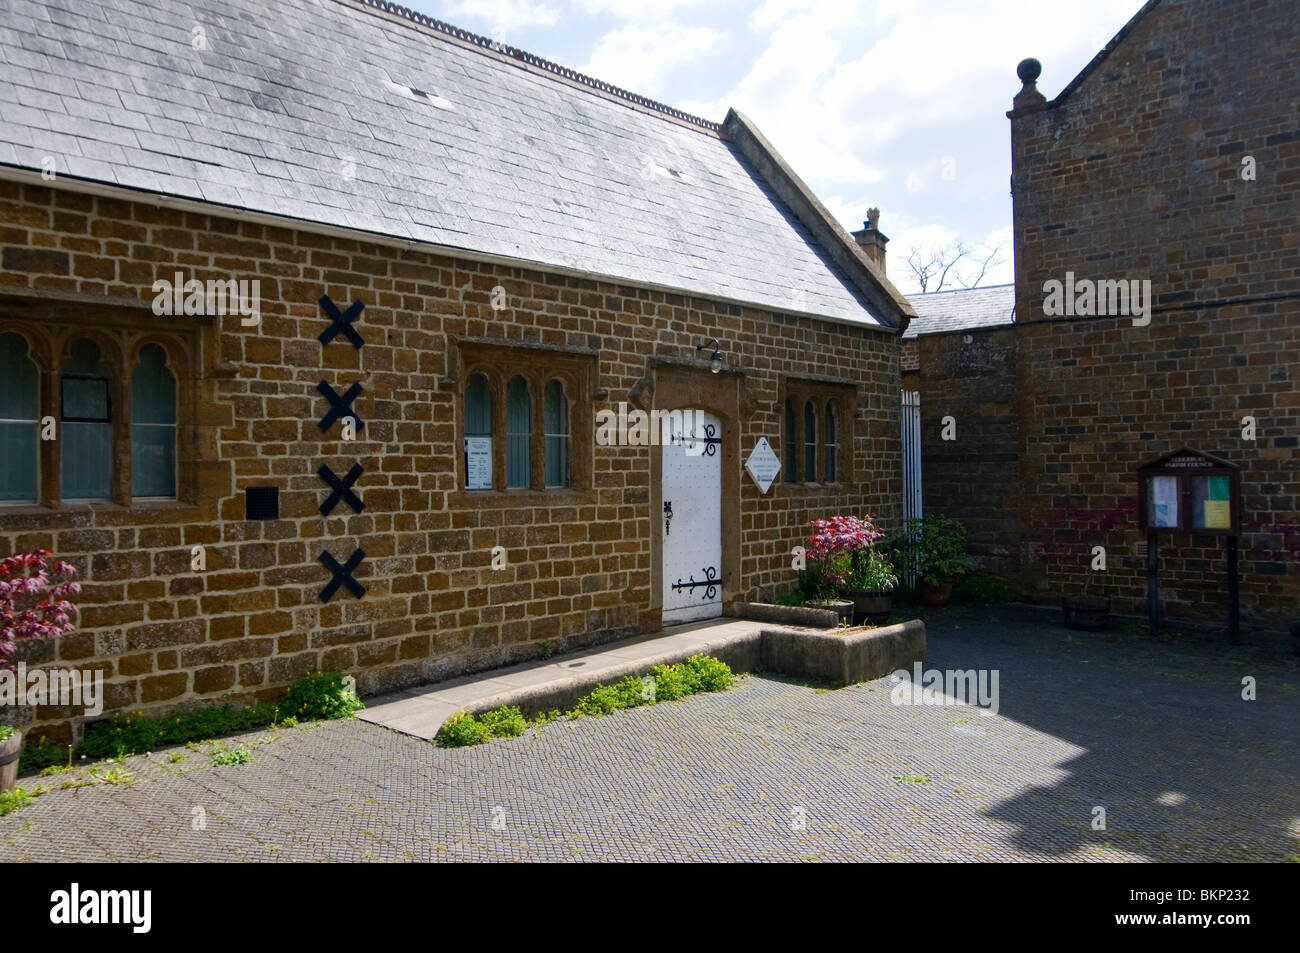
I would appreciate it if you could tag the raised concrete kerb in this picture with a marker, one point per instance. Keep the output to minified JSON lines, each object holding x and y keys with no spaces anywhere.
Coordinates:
{"x":842,"y":658}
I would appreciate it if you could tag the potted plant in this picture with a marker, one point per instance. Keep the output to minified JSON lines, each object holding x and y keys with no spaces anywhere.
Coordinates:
{"x":1084,"y":614}
{"x":33,"y":605}
{"x":934,"y":546}
{"x":830,"y":551}
{"x":11,"y":745}
{"x":819,"y":587}
{"x":870,"y":583}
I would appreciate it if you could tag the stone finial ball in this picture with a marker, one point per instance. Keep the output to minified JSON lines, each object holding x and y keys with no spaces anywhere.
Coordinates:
{"x":1029,"y":70}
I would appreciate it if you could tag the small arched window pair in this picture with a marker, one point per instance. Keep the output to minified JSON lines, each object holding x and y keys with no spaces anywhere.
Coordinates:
{"x":87,"y":424}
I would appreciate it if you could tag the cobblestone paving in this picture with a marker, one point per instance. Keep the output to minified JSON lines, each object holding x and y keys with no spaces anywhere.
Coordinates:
{"x":1156,"y":734}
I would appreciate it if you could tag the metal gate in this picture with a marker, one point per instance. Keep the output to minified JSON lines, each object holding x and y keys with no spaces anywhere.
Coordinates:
{"x":911,"y":427}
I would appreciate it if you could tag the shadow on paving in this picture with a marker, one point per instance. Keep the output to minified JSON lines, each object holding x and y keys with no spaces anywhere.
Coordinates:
{"x":1172,"y":752}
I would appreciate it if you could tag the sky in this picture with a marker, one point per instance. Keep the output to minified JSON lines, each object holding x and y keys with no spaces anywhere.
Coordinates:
{"x":896,"y":104}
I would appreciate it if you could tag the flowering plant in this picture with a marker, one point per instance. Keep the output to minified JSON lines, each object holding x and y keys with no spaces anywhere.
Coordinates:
{"x":871,"y":570}
{"x":34,"y":601}
{"x":841,"y":534}
{"x":832,"y":550}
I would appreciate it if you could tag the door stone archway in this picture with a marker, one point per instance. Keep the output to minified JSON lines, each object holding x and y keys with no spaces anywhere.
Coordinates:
{"x":688,"y":386}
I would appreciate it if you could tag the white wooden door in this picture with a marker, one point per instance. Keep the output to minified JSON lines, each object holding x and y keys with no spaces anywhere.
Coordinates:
{"x":691,"y":519}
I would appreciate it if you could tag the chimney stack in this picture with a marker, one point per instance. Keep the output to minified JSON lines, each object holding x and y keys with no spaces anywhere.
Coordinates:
{"x":872,"y":240}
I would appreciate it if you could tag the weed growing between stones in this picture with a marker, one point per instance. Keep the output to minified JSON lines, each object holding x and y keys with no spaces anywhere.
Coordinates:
{"x":13,"y":800}
{"x":319,"y":696}
{"x":699,"y":673}
{"x":237,"y":755}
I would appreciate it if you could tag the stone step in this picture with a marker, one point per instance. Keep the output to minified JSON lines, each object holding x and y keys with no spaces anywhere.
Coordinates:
{"x":745,"y":645}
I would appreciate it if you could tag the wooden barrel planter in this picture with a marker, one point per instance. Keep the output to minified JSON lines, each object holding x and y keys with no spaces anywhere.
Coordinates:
{"x":9,"y":751}
{"x":1088,"y":615}
{"x":870,"y":607}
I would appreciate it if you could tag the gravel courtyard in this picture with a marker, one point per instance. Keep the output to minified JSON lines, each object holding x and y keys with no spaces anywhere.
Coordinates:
{"x":1156,"y":734}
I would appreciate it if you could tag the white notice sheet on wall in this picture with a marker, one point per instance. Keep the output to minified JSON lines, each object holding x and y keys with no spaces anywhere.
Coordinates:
{"x":478,"y":463}
{"x":1164,"y":501}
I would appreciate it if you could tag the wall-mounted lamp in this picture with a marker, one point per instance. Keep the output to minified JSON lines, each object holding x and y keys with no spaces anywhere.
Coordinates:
{"x":715,"y":362}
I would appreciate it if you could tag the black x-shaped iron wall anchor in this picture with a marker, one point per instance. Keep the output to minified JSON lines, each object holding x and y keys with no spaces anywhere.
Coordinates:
{"x":342,"y":488}
{"x":342,"y":322}
{"x":339,"y":406}
{"x":342,"y":575}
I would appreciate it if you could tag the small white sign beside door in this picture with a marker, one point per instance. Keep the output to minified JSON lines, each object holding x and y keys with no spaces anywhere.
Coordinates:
{"x":763,"y":465}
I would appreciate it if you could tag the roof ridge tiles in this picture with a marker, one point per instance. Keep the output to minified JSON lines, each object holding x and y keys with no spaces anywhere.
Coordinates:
{"x":531,"y":59}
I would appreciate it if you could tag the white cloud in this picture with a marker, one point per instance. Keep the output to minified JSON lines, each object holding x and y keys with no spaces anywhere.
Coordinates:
{"x":505,"y":16}
{"x":639,"y":9}
{"x":901,"y":104}
{"x":639,"y":57}
{"x":772,"y":13}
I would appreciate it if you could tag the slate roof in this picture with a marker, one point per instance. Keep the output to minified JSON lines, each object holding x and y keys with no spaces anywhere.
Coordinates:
{"x":961,"y":309}
{"x":452,"y":144}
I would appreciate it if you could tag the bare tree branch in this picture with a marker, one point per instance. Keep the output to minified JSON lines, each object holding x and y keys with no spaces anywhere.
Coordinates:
{"x":991,"y":260}
{"x":952,"y":264}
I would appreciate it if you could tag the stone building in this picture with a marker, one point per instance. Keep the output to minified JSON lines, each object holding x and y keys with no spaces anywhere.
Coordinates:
{"x":956,"y":311}
{"x":1173,"y":158}
{"x":235,"y":235}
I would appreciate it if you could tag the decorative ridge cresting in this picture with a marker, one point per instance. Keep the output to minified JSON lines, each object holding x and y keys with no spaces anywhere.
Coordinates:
{"x":531,"y":59}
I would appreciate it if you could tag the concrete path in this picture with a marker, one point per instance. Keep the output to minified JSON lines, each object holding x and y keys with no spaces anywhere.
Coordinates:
{"x":542,"y":685}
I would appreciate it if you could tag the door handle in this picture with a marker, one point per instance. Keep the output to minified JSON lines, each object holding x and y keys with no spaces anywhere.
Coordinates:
{"x":668,"y":516}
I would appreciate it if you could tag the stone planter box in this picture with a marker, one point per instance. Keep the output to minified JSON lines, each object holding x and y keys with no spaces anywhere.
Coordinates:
{"x":788,"y":615}
{"x":825,"y":655}
{"x":844,"y":658}
{"x":9,"y":751}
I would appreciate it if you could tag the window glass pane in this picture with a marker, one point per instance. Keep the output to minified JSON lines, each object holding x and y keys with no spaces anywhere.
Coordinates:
{"x":20,"y":393}
{"x":478,"y":408}
{"x":555,"y":411}
{"x":153,"y":388}
{"x":810,"y":443}
{"x":790,"y":452}
{"x":85,"y":399}
{"x":19,"y":402}
{"x":18,"y":461}
{"x":86,"y":450}
{"x":153,"y":460}
{"x":478,"y":434}
{"x":831,"y":446}
{"x":153,"y":426}
{"x":519,"y":430}
{"x":87,"y":465}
